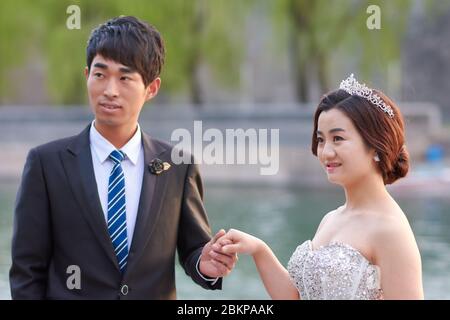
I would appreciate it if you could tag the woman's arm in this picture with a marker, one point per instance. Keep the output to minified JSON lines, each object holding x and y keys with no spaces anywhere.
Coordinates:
{"x":398,"y":257}
{"x":275,"y":277}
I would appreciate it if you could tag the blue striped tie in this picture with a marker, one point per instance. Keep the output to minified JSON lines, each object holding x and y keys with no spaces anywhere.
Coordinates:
{"x":117,"y":218}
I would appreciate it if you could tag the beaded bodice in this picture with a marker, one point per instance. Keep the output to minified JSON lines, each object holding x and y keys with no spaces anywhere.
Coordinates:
{"x":334,"y":271}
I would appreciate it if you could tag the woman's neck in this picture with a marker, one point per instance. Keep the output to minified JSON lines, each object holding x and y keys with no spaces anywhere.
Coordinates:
{"x":367,"y":193}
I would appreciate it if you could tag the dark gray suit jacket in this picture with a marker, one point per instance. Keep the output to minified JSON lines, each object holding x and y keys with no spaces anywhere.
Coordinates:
{"x":59,"y":222}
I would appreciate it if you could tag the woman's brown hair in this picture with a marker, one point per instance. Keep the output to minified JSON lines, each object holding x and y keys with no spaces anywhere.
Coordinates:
{"x":384,"y":134}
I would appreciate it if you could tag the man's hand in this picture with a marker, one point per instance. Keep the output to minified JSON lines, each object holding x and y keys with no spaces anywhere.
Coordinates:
{"x":214,"y":263}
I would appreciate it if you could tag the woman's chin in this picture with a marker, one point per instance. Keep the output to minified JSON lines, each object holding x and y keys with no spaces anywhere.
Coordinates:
{"x":334,"y":179}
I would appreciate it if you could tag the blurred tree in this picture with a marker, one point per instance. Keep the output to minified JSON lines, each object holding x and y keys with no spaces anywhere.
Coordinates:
{"x":18,"y":37}
{"x":197,"y":34}
{"x":202,"y":37}
{"x":317,"y":29}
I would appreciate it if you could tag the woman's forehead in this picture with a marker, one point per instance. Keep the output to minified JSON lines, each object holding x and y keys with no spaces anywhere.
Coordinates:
{"x":332,"y":119}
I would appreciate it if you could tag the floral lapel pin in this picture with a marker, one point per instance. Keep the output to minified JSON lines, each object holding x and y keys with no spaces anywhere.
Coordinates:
{"x":157,"y":166}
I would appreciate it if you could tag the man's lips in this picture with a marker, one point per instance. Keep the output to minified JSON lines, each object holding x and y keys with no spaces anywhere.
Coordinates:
{"x":110,"y":106}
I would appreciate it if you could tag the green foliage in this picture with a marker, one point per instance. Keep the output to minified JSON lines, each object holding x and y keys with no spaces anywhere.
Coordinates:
{"x":380,"y":47}
{"x":16,"y":39}
{"x":321,"y":29}
{"x":41,"y":26}
{"x":322,"y":36}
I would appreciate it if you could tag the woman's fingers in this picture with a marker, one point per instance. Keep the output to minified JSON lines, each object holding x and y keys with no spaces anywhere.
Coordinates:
{"x":231,"y":248}
{"x":224,"y":241}
{"x":218,"y":249}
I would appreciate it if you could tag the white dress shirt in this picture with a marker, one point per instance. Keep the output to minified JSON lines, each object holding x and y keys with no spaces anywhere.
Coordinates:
{"x":133,"y":169}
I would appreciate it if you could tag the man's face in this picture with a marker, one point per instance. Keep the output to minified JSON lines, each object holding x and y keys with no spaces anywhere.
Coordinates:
{"x":117,"y":93}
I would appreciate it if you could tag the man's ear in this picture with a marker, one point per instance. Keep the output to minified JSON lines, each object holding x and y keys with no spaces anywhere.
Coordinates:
{"x":86,"y":72}
{"x":152,"y":89}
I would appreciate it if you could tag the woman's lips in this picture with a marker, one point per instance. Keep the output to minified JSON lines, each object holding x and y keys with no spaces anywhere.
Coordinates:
{"x":332,"y":167}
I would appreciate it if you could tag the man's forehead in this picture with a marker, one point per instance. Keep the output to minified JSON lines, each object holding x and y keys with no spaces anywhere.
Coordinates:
{"x":109,"y":63}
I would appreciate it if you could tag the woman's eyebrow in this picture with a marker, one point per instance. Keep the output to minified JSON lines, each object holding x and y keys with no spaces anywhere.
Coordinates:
{"x":331,"y":131}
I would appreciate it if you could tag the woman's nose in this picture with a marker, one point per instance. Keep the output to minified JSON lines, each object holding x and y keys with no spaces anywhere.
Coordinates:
{"x":328,"y":151}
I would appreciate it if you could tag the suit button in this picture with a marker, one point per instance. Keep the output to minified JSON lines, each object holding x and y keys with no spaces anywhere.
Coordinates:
{"x":124,"y":290}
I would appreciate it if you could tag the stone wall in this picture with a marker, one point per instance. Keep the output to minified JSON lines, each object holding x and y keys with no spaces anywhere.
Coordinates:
{"x":22,"y":128}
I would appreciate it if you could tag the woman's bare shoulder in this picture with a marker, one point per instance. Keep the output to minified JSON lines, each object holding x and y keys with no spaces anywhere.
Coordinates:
{"x":392,"y":231}
{"x":328,"y":216}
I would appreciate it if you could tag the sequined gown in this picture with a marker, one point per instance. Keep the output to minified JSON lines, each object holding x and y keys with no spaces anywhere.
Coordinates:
{"x":332,"y":272}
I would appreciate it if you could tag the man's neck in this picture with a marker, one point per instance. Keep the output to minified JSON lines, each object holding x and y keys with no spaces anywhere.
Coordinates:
{"x":118,"y":136}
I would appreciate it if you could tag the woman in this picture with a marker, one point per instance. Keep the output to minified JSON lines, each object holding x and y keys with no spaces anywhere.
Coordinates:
{"x":365,"y":249}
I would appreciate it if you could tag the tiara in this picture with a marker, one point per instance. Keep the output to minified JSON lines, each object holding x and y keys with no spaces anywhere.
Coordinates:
{"x":353,"y":87}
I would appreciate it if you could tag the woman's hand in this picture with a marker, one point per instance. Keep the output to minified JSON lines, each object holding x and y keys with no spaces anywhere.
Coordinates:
{"x":241,"y":242}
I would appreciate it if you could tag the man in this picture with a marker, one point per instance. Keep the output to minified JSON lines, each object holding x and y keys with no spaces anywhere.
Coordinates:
{"x":109,"y":205}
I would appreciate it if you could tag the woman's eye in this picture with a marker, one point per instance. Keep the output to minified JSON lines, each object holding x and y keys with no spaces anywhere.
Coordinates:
{"x":337,"y":138}
{"x":319,"y":140}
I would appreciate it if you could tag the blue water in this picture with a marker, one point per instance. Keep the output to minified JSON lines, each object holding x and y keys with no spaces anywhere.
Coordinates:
{"x":284,"y":218}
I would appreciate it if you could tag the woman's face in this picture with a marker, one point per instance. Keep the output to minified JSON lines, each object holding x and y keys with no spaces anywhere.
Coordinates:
{"x":341,"y":150}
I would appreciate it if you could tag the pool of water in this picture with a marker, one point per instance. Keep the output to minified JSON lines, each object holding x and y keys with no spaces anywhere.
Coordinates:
{"x":284,"y":218}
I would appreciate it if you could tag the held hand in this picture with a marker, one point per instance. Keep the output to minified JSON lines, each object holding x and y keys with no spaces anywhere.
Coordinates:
{"x":241,"y":242}
{"x":215,"y":263}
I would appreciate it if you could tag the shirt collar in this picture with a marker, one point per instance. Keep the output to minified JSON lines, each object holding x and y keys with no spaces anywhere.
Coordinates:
{"x":103,"y":148}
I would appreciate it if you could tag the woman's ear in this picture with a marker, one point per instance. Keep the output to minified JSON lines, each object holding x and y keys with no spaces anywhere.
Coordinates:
{"x":152,"y":89}
{"x":376,"y":157}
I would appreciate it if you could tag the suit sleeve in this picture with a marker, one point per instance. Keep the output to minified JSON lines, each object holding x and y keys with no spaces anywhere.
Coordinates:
{"x":31,"y":242}
{"x":194,"y":230}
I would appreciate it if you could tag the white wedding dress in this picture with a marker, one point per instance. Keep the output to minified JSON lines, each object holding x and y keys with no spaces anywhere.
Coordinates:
{"x":332,"y":272}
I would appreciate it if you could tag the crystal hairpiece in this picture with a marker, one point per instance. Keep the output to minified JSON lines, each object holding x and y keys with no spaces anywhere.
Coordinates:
{"x":353,"y":87}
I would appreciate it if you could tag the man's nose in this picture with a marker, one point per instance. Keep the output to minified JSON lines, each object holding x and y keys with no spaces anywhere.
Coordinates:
{"x":111,"y":89}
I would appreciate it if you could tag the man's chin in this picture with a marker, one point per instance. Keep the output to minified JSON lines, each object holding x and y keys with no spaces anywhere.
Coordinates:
{"x":109,"y":122}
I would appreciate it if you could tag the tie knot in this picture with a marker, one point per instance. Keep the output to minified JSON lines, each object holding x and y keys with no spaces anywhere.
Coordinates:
{"x":117,"y":156}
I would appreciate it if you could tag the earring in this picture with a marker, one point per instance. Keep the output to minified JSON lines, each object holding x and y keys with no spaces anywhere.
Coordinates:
{"x":376,"y":158}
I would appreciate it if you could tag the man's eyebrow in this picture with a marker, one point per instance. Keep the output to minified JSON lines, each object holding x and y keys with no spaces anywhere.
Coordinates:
{"x":121,"y":69}
{"x":100,"y":65}
{"x":331,"y":131}
{"x":126,"y":70}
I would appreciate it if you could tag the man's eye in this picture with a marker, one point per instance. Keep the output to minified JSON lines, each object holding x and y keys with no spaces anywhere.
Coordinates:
{"x":125,"y":78}
{"x":98,"y":75}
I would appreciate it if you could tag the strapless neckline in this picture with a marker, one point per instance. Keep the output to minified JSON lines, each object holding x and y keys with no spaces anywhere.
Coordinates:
{"x":339,"y":244}
{"x":336,"y":270}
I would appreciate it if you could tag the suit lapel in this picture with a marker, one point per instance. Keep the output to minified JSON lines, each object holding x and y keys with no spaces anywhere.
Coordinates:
{"x":150,"y":201}
{"x":77,"y":161}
